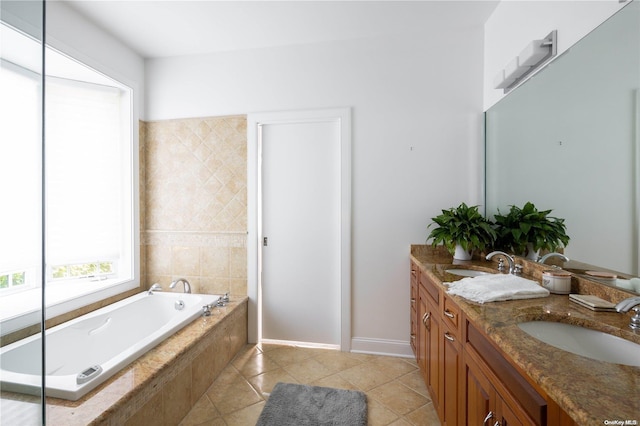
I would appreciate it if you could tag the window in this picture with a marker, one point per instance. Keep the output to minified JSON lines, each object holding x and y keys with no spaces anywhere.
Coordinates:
{"x":88,"y":174}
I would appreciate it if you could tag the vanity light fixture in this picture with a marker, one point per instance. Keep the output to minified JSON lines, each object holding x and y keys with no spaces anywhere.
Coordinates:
{"x":537,"y":53}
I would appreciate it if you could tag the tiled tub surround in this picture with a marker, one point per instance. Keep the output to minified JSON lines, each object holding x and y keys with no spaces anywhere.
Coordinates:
{"x":158,"y":388}
{"x":589,"y":391}
{"x":193,"y":175}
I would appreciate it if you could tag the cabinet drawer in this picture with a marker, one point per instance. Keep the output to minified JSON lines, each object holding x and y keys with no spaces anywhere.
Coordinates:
{"x":430,"y":287}
{"x":451,"y":315}
{"x":528,"y":398}
{"x":414,"y":274}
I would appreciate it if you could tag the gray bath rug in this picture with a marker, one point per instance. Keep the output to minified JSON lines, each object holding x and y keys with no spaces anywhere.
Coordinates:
{"x":301,"y":405}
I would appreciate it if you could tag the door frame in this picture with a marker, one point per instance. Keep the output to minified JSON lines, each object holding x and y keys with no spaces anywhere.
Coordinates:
{"x":343,"y":117}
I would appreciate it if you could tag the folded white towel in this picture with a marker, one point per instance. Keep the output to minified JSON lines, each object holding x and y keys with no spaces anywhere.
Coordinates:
{"x":491,"y":288}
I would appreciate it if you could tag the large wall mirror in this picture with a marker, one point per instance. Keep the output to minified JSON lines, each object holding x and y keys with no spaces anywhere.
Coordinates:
{"x":568,"y":140}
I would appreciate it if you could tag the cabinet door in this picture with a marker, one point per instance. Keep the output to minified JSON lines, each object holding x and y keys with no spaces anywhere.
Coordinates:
{"x":479,"y":396}
{"x":422,"y":333}
{"x":434,"y":368}
{"x":506,"y":416}
{"x":451,"y":360}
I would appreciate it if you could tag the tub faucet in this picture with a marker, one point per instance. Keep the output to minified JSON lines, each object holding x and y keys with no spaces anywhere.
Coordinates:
{"x":549,"y":255}
{"x":512,"y":264}
{"x":632,"y":303}
{"x":155,"y":287}
{"x":185,"y":283}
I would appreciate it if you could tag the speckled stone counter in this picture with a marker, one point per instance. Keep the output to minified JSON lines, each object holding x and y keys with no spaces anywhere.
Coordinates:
{"x":158,"y":388}
{"x":591,"y":392}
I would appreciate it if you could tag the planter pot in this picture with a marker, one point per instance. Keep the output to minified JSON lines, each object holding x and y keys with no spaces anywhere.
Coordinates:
{"x":462,"y":254}
{"x":532,"y":254}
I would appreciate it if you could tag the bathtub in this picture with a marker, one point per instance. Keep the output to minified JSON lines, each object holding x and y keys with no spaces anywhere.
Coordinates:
{"x":84,"y":352}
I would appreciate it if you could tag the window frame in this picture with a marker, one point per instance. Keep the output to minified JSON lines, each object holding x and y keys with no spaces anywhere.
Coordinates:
{"x":66,"y":295}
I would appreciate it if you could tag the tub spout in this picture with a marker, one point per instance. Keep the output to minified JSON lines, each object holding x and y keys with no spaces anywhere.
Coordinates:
{"x":185,"y":283}
{"x":155,"y":287}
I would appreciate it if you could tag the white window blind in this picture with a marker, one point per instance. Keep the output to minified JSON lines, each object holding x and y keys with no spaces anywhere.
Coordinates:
{"x":20,"y":177}
{"x":85,"y":172}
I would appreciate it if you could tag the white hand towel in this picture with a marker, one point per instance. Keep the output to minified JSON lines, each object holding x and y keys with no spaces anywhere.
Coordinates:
{"x":497,"y":287}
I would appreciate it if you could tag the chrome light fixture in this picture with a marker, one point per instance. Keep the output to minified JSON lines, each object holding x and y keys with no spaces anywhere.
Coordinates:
{"x":536,"y":54}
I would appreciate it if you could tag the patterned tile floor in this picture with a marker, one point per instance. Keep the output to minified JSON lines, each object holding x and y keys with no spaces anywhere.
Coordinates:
{"x":396,"y":394}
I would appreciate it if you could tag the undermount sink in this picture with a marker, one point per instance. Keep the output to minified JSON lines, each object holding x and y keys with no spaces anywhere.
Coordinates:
{"x":584,"y":341}
{"x":467,"y":272}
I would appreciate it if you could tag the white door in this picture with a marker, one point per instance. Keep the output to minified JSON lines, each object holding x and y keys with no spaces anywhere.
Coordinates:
{"x":301,"y":234}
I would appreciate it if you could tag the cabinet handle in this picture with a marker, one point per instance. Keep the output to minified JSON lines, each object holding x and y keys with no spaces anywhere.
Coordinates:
{"x":486,"y":419}
{"x":497,"y":424}
{"x":413,"y":272}
{"x":424,"y":321}
{"x":449,"y":337}
{"x":413,"y":300}
{"x":413,"y":337}
{"x":449,"y":313}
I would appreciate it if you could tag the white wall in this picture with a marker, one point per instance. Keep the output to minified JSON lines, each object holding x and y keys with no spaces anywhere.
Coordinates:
{"x":417,"y":137}
{"x":514,"y":24}
{"x":73,"y":35}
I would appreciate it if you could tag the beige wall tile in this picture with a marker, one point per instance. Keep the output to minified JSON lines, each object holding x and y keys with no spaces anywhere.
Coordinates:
{"x":238,"y":262}
{"x":238,"y":286}
{"x":176,"y":397}
{"x":150,"y":414}
{"x":185,"y":261}
{"x":193,"y":180}
{"x":202,"y":373}
{"x":214,"y":262}
{"x":215,"y":285}
{"x":159,"y":259}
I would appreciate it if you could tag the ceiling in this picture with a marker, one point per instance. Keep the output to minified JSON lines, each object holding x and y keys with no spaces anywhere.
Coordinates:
{"x":164,"y":28}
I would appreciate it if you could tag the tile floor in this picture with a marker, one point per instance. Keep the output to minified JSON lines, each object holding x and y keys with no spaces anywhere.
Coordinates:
{"x":396,"y":394}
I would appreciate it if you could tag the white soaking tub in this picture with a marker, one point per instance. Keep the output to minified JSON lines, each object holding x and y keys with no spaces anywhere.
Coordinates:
{"x":84,"y":352}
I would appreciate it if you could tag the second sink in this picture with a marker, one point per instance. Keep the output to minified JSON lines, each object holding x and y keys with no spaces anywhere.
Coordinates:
{"x":467,"y":272}
{"x":584,"y":341}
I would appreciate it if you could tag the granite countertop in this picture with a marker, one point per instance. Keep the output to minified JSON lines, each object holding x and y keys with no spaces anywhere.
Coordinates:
{"x":591,"y":392}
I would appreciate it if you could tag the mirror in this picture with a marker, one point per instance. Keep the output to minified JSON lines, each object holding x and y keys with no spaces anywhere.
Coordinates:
{"x":568,"y":140}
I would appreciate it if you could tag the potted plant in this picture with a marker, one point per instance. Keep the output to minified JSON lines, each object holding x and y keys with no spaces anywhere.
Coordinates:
{"x":462,"y":229}
{"x":526,"y":231}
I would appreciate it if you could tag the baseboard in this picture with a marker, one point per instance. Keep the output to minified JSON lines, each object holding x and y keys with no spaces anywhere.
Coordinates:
{"x":396,"y":348}
{"x":301,"y":344}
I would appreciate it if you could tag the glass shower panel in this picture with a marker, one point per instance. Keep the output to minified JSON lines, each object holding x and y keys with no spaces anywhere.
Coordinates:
{"x":21,"y":165}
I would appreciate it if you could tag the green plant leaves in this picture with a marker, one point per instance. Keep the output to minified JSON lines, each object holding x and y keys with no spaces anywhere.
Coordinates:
{"x":463,"y":225}
{"x":528,"y":225}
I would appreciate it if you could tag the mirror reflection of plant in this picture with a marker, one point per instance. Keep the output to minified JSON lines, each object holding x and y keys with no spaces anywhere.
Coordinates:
{"x":528,"y":225}
{"x":462,"y":225}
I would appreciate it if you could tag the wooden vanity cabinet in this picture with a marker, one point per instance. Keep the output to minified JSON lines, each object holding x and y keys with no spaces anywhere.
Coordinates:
{"x":469,"y":380}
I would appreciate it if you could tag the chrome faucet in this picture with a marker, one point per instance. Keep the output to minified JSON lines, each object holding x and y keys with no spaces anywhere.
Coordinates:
{"x":632,"y":303}
{"x":185,"y":283}
{"x":549,"y":255}
{"x":512,"y":262}
{"x":155,"y":287}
